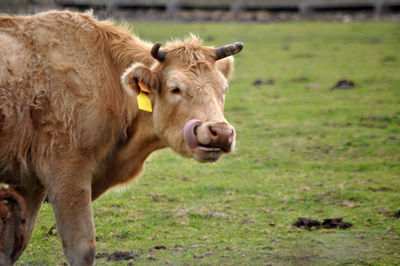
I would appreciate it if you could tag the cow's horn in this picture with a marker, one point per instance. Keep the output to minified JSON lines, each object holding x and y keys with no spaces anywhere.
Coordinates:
{"x":228,"y":50}
{"x":157,"y":53}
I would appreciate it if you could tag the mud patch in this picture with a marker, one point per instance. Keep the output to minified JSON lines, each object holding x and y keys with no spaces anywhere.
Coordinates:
{"x":201,"y":256}
{"x":307,"y":223}
{"x":344,"y":84}
{"x":330,"y":223}
{"x":102,"y":255}
{"x":388,"y":58}
{"x":336,"y":223}
{"x":338,"y":124}
{"x":121,"y":255}
{"x":155,"y":197}
{"x":159,"y":247}
{"x":380,"y":122}
{"x":52,"y":231}
{"x":379,"y":189}
{"x":128,"y":255}
{"x":300,"y":79}
{"x":259,"y":82}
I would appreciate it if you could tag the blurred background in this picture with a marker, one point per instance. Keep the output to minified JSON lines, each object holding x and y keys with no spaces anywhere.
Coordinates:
{"x":222,"y":10}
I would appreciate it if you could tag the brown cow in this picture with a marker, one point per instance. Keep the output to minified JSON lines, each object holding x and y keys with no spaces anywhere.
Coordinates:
{"x":70,"y":123}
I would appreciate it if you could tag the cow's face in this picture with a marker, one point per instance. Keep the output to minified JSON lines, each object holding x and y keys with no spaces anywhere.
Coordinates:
{"x":188,"y":87}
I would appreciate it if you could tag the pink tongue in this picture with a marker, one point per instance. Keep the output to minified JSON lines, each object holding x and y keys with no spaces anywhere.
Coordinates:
{"x":188,"y":133}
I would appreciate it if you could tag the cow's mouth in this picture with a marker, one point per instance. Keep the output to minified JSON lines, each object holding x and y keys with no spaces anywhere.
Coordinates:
{"x":201,"y":152}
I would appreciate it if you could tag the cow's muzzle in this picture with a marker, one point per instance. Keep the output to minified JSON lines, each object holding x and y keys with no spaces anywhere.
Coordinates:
{"x":208,"y":141}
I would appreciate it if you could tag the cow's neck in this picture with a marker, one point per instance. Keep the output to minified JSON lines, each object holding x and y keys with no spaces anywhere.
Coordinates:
{"x":140,"y":143}
{"x":123,"y":49}
{"x":126,"y":161}
{"x":138,"y":139}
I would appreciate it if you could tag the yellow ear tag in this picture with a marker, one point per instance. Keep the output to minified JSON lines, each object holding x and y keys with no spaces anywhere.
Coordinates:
{"x":143,"y":100}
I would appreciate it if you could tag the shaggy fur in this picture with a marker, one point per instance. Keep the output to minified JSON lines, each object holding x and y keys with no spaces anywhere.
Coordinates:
{"x":69,"y":123}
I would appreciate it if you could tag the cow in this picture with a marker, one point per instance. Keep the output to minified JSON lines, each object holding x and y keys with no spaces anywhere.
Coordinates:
{"x":83,"y":103}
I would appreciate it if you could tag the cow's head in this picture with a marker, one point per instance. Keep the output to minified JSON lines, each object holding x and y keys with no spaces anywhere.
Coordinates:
{"x":188,"y":83}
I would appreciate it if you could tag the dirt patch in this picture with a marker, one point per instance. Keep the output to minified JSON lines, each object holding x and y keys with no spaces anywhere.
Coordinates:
{"x":389,"y":58}
{"x":380,"y":122}
{"x":301,"y":79}
{"x":102,"y":255}
{"x":336,"y":223}
{"x":330,"y":223}
{"x":344,"y":84}
{"x":121,"y":255}
{"x":201,"y":256}
{"x":128,"y":255}
{"x":338,"y":124}
{"x":159,"y":247}
{"x":259,"y":82}
{"x":397,"y":214}
{"x":378,"y":189}
{"x":155,"y":197}
{"x":373,"y":125}
{"x":381,"y":118}
{"x":52,"y":231}
{"x":307,"y":223}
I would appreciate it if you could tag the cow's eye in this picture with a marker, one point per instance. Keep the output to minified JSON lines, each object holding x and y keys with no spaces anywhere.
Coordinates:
{"x":176,"y":91}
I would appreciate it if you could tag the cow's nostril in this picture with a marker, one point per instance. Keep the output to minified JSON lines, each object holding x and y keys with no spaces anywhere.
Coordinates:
{"x":195,"y":130}
{"x":213,"y":131}
{"x":221,"y":136}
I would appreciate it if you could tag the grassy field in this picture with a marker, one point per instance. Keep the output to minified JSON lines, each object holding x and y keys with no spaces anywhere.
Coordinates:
{"x":304,"y":150}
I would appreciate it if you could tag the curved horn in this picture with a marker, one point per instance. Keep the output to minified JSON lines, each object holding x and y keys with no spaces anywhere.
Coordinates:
{"x":228,"y":50}
{"x":157,"y":53}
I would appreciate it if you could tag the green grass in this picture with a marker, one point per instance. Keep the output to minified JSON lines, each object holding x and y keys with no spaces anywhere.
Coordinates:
{"x":304,"y":150}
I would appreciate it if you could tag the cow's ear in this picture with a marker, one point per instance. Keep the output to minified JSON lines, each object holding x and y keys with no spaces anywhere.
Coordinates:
{"x":225,"y":66}
{"x":136,"y":74}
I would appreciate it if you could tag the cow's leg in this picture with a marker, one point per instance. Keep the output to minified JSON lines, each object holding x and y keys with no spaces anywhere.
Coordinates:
{"x":70,"y":195}
{"x":33,"y":199}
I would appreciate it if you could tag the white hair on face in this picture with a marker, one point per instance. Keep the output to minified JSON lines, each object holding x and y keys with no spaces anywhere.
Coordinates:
{"x":176,"y":79}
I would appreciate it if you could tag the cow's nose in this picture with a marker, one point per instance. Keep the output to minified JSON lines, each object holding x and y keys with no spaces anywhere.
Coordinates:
{"x":221,"y":136}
